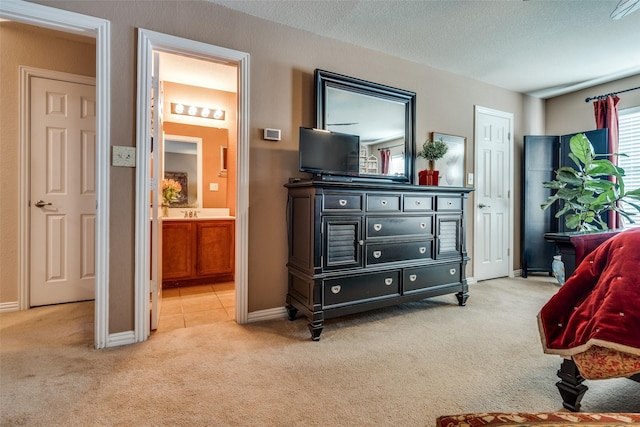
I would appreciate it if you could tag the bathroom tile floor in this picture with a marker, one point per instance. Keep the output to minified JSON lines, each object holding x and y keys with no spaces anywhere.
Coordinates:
{"x":189,"y":306}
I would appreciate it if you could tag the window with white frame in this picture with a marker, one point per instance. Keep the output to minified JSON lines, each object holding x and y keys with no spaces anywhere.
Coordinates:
{"x":629,"y":143}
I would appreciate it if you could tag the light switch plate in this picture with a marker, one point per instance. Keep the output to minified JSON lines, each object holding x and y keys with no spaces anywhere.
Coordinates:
{"x":469,"y":179}
{"x":123,"y":156}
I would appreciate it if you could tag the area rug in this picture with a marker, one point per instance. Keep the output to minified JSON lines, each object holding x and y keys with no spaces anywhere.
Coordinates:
{"x":542,"y":419}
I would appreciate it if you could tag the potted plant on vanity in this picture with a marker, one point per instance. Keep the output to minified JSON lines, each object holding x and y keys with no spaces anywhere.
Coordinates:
{"x":432,"y":151}
{"x":170,"y":191}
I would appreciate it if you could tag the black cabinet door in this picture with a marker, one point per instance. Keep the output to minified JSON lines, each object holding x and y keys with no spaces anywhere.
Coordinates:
{"x":342,"y":242}
{"x":540,"y":160}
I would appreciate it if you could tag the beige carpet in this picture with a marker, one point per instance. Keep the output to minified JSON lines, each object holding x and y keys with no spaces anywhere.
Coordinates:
{"x":401,"y":366}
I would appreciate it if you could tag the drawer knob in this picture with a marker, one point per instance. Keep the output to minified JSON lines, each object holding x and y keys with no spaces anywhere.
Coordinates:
{"x":342,"y":202}
{"x":383,"y":202}
{"x":422,"y":250}
{"x":336,"y":289}
{"x":361,"y":242}
{"x":413,"y":277}
{"x":418,"y":202}
{"x":452,"y":271}
{"x":388,"y":281}
{"x":423,"y":225}
{"x":377,"y":227}
{"x":377,"y":254}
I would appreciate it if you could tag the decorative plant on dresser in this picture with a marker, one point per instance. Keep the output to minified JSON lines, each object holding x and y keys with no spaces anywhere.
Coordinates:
{"x":432,"y":151}
{"x":356,"y":246}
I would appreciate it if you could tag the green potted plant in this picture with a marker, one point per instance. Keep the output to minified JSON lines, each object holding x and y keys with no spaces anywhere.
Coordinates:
{"x":586,"y":191}
{"x":432,"y":151}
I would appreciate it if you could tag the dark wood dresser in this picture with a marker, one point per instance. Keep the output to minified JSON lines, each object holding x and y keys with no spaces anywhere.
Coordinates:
{"x":356,"y":246}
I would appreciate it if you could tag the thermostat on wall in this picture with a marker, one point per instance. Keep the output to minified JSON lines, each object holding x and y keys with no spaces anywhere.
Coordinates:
{"x":272,"y":134}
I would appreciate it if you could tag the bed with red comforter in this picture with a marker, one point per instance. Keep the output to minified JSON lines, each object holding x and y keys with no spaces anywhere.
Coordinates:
{"x":594,"y":319}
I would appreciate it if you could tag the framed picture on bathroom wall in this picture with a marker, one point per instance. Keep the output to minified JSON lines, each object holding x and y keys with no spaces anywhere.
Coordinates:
{"x":451,"y":166}
{"x":183,"y":179}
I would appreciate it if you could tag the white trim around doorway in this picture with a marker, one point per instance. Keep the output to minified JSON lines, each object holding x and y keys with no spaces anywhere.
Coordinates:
{"x":100,"y":29}
{"x":148,"y":41}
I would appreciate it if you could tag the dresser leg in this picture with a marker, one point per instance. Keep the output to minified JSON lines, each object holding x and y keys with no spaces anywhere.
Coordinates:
{"x":570,"y":385}
{"x":462,"y":298}
{"x":316,"y":329}
{"x":292,"y":312}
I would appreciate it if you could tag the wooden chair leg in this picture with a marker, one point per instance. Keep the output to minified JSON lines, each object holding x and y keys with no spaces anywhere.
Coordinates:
{"x":570,"y":385}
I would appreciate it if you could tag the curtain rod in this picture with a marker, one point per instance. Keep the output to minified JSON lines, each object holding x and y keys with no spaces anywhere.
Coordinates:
{"x":610,"y":94}
{"x":393,"y":146}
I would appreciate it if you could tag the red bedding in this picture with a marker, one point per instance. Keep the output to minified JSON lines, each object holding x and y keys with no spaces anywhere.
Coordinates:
{"x":599,"y":305}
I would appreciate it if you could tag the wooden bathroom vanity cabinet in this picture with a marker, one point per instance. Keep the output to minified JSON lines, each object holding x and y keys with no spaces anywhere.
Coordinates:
{"x":356,"y":246}
{"x":197,"y":251}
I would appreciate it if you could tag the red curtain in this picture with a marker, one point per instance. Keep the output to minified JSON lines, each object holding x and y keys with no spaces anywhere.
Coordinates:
{"x":385,"y":155}
{"x":606,"y":113}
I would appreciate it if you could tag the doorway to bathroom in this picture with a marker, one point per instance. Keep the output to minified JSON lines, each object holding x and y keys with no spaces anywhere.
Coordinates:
{"x":198,"y":148}
{"x":200,"y":89}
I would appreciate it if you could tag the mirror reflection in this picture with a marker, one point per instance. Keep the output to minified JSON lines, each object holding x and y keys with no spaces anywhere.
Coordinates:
{"x":382,"y":116}
{"x":192,"y":156}
{"x":183,"y":163}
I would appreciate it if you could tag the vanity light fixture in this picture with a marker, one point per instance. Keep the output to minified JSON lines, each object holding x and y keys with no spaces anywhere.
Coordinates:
{"x":192,"y":110}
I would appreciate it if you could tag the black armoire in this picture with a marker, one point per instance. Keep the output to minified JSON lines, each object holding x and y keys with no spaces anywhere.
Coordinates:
{"x":543,"y":155}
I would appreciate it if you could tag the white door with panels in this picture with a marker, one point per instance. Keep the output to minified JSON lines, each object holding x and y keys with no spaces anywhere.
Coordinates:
{"x":156,"y":168}
{"x":62,"y":191}
{"x":493,"y":225}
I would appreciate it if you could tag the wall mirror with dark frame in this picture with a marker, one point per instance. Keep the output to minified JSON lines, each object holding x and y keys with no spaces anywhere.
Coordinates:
{"x":382,"y":116}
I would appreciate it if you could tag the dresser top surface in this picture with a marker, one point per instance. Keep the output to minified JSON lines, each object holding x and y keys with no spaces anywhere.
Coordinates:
{"x":376,"y":186}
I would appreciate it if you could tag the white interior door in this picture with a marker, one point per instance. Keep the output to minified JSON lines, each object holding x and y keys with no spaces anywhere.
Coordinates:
{"x":63,"y":191}
{"x":493,"y":226}
{"x":156,"y":169}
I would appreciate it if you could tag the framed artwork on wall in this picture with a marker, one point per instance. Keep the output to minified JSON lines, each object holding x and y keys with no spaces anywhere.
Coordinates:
{"x":452,"y":165}
{"x":183,"y":179}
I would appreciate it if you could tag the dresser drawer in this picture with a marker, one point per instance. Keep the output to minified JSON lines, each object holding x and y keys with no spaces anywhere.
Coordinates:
{"x":427,"y":277}
{"x":350,"y":289}
{"x":342,"y":202}
{"x":447,"y":204}
{"x":418,"y":203}
{"x":378,"y":227}
{"x":383,"y":203}
{"x":403,"y":251}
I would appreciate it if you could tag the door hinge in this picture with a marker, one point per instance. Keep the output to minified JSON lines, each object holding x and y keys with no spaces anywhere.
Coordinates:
{"x":152,"y":184}
{"x":508,"y":251}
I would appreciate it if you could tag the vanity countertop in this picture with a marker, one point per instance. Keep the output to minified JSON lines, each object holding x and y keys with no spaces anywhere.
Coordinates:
{"x":200,"y":218}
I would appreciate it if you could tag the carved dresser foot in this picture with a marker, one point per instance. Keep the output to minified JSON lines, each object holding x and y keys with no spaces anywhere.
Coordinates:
{"x":462,"y":298}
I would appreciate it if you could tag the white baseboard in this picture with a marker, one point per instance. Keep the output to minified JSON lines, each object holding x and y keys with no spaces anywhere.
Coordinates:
{"x":471,"y":281}
{"x":9,"y":306}
{"x":269,"y":314}
{"x":516,"y":273}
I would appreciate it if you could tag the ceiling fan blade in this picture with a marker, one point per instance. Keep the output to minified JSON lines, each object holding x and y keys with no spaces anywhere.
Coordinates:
{"x":624,"y":8}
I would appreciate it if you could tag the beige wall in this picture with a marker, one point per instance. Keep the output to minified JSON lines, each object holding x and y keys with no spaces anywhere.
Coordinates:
{"x":24,"y":45}
{"x":282,"y":96}
{"x":570,"y":113}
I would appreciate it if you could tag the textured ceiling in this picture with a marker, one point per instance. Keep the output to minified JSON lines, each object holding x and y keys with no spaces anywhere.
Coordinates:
{"x":541,"y":47}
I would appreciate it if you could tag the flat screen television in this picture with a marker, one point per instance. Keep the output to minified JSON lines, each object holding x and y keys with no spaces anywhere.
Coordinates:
{"x":325,"y":153}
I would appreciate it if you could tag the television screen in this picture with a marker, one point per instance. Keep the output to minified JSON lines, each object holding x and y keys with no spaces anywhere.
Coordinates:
{"x":329,"y":153}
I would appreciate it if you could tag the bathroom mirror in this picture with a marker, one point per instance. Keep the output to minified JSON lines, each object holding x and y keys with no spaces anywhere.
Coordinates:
{"x":382,"y":116}
{"x":183,"y":162}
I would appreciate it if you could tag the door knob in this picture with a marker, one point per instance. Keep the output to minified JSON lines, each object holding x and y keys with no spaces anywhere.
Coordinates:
{"x":41,"y":204}
{"x":482,"y":205}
